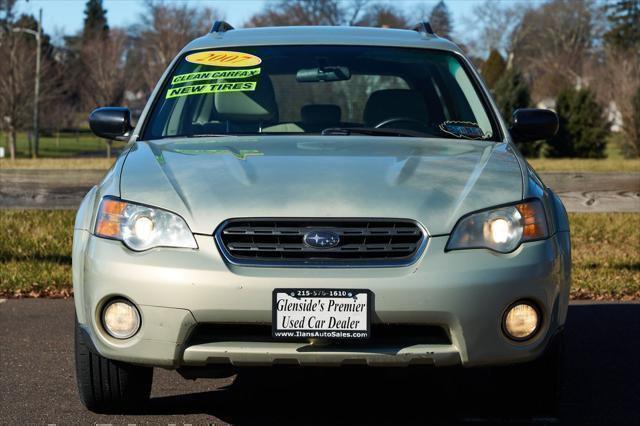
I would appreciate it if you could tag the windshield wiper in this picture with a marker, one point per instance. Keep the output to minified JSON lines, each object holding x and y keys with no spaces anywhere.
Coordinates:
{"x":372,"y":131}
{"x":197,"y":135}
{"x":206,"y":135}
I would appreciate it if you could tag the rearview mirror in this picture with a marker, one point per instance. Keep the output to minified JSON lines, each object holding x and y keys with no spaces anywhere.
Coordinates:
{"x":330,"y":73}
{"x":111,"y":122}
{"x":530,"y":124}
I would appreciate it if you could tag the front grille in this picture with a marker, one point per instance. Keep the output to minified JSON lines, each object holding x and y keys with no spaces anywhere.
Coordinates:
{"x":382,"y":335}
{"x":281,"y":242}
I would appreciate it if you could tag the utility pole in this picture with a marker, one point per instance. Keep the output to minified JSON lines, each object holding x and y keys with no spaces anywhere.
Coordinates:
{"x":36,"y":95}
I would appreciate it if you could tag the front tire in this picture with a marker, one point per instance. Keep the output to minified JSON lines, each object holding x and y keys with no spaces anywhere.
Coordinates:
{"x":109,"y":386}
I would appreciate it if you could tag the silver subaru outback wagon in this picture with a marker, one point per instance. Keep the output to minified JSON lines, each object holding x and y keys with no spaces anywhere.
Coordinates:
{"x":317,"y":196}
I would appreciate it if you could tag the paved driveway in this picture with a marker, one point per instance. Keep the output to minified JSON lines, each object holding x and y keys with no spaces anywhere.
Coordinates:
{"x":37,"y":383}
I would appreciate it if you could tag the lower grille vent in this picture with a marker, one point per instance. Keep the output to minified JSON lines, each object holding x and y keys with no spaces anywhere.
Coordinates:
{"x":381,"y":335}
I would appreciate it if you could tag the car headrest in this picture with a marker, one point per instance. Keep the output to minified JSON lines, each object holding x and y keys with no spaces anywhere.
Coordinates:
{"x":257,"y":105}
{"x":320,"y":114}
{"x":391,"y":103}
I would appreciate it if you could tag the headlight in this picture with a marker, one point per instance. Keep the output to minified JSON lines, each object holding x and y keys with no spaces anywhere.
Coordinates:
{"x":501,"y":229}
{"x":141,"y":227}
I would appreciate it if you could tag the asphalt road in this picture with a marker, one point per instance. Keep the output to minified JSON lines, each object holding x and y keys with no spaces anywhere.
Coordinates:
{"x":37,"y":383}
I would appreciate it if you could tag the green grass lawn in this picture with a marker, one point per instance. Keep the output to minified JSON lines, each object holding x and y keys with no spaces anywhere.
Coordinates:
{"x":606,"y":255}
{"x":614,"y":161}
{"x":35,"y":254}
{"x":63,"y":146}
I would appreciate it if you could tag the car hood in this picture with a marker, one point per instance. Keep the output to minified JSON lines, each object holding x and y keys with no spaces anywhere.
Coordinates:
{"x":209,"y":180}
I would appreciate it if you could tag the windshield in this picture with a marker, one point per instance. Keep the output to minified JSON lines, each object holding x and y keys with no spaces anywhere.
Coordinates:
{"x":320,"y":90}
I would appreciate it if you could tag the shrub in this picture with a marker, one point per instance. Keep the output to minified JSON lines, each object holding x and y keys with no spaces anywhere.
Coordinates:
{"x":583,"y":127}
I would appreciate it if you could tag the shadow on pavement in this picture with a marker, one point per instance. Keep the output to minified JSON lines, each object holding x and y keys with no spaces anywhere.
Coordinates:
{"x":601,"y":386}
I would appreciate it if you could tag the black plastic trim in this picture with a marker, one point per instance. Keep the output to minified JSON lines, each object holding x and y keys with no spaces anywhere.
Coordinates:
{"x":86,"y":338}
{"x":351,"y":263}
{"x":424,"y":27}
{"x":221,"y":27}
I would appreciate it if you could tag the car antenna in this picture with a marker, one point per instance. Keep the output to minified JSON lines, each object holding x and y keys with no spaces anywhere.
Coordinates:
{"x":424,"y":28}
{"x":221,"y":27}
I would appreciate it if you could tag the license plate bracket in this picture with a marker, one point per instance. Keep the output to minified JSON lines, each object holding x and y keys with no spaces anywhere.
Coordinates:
{"x":321,"y":313}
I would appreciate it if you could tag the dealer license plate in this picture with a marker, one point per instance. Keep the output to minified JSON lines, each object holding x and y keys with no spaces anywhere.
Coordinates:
{"x":321,"y":314}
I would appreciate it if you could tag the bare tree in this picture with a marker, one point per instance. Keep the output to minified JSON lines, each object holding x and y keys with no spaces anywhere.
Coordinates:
{"x":616,"y":77}
{"x":16,"y":83}
{"x":103,"y":80}
{"x":383,"y":15}
{"x":309,"y":12}
{"x":17,"y":75}
{"x":553,"y":43}
{"x":497,"y":22}
{"x":165,"y":30}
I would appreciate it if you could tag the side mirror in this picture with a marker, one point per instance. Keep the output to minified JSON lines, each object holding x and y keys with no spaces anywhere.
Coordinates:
{"x":530,"y":124}
{"x":111,"y":122}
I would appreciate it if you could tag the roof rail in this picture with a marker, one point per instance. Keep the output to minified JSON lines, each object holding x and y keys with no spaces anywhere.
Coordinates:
{"x":424,"y":27}
{"x":221,"y":27}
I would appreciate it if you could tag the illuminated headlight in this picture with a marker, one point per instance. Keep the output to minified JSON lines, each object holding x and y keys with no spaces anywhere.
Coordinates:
{"x":521,"y":321}
{"x":142,"y":227}
{"x":121,"y":319}
{"x":501,"y":229}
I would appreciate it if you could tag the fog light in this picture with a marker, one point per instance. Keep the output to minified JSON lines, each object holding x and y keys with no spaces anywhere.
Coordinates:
{"x":121,"y":319}
{"x":521,"y":321}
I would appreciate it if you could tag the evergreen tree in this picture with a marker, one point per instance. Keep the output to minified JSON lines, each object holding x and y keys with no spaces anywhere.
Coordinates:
{"x":633,"y":148}
{"x":440,"y":20}
{"x":583,"y":128}
{"x":95,"y":20}
{"x":624,"y":17}
{"x":512,"y":92}
{"x":493,"y":68}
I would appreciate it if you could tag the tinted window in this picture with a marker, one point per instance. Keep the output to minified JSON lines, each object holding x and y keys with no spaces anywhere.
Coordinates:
{"x":306,"y":89}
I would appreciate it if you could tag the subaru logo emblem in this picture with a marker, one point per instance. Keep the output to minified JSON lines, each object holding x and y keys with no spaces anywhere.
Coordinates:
{"x":321,"y":239}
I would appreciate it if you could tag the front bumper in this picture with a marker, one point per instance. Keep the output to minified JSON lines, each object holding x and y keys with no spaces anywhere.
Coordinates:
{"x":464,"y":292}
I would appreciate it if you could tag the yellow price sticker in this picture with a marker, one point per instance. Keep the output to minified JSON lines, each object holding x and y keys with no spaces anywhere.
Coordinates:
{"x":224,"y":58}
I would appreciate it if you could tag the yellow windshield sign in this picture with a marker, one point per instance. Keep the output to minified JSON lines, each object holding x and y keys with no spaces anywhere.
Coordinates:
{"x":214,"y":75}
{"x":224,"y":58}
{"x":201,"y":89}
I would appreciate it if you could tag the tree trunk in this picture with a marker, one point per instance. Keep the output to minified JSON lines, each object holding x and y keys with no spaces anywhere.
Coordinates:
{"x":12,"y":143}
{"x":30,"y":143}
{"x":108,"y":142}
